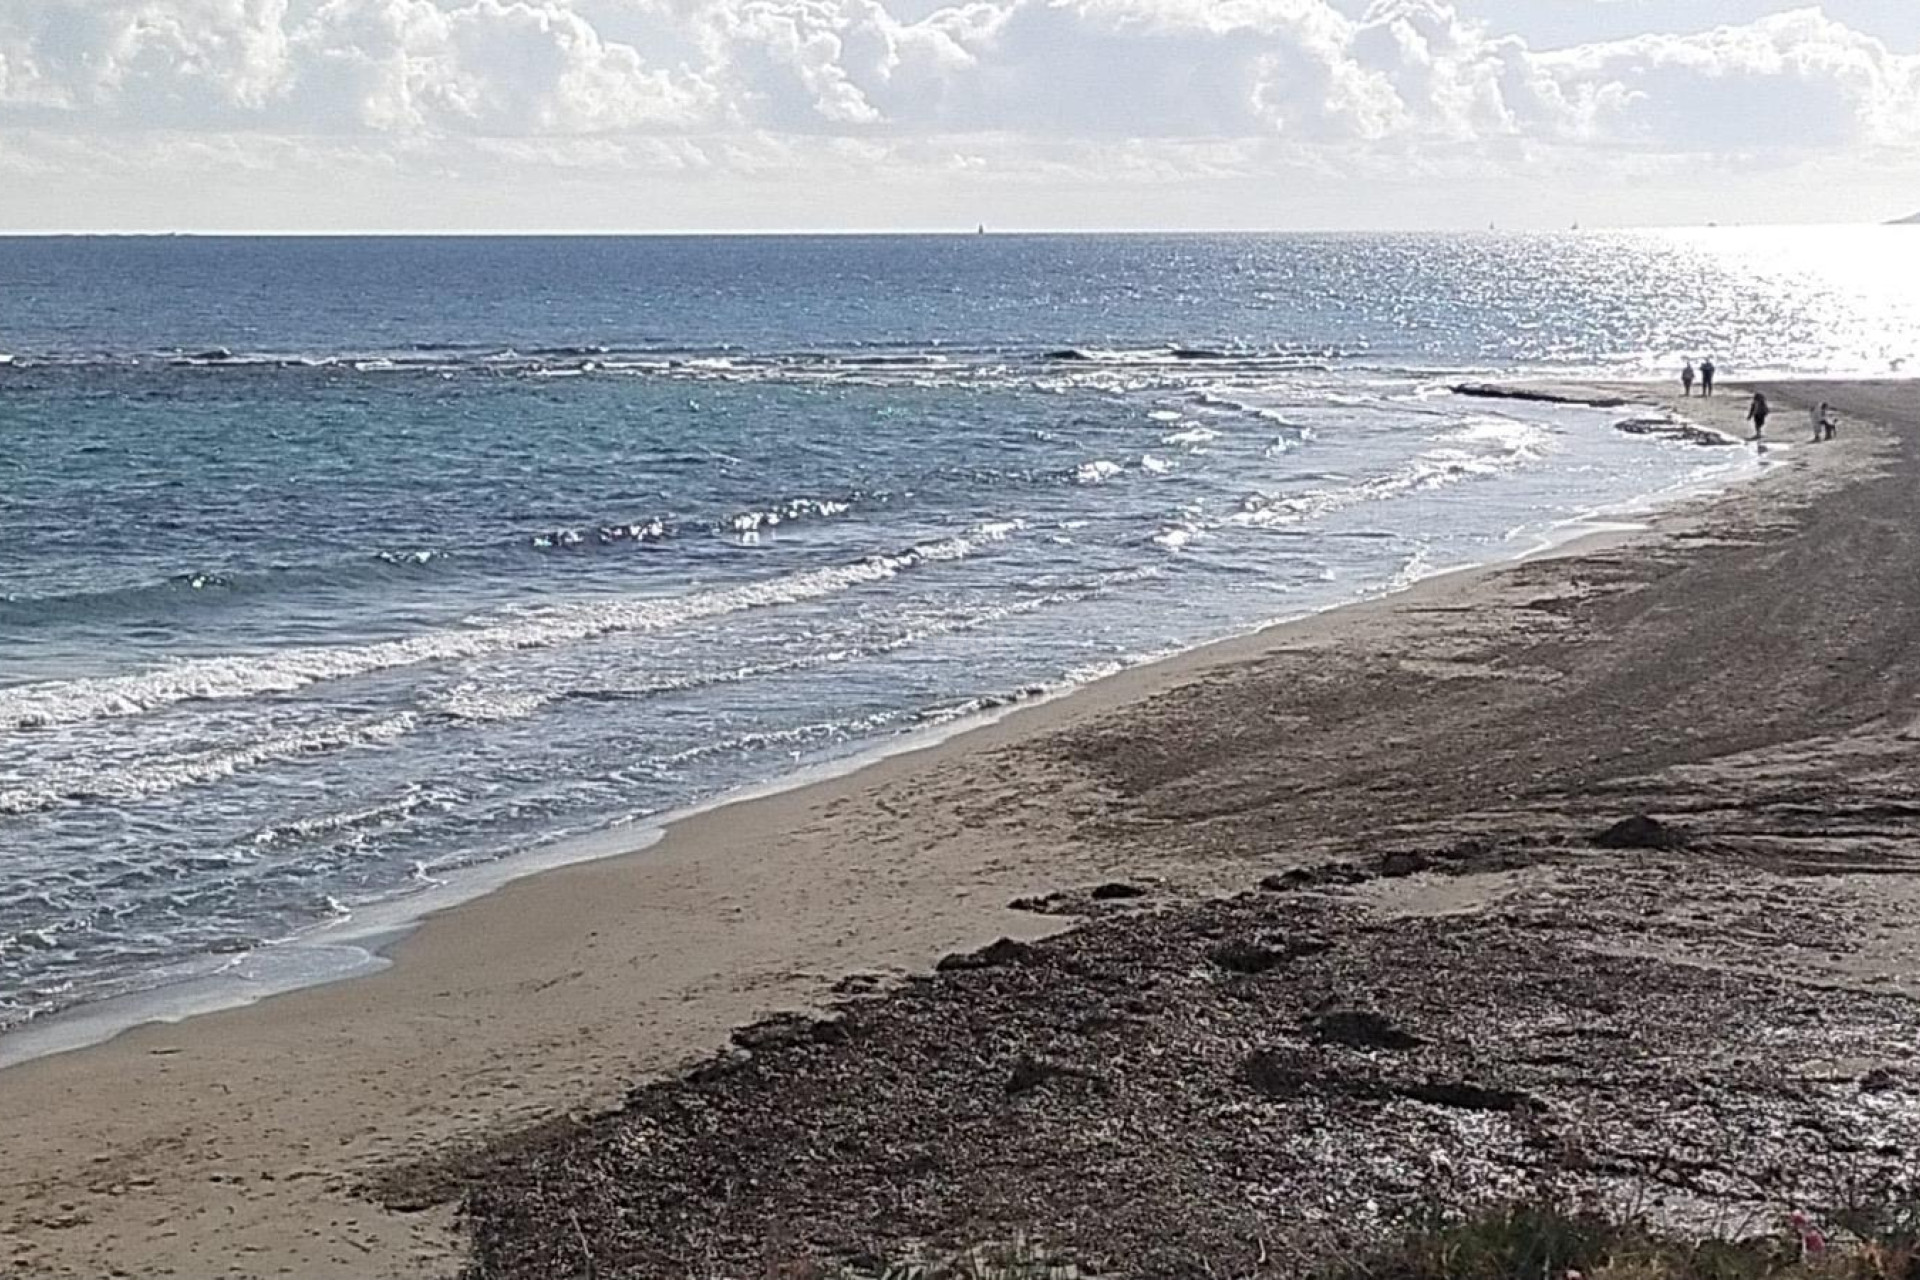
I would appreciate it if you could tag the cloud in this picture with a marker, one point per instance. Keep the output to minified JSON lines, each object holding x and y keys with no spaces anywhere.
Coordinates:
{"x":690,"y":87}
{"x":1795,"y":79}
{"x":492,"y":67}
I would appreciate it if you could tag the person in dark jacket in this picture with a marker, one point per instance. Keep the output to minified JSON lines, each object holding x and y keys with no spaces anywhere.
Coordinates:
{"x":1757,"y":414}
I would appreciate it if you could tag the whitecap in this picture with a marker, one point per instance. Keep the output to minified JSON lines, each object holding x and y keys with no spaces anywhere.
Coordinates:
{"x":1191,"y":435}
{"x":55,"y":702}
{"x":1175,"y":537}
{"x":1098,"y":471}
{"x":151,"y":777}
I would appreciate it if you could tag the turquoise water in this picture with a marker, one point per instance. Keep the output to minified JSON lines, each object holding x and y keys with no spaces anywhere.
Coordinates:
{"x":330,"y":567}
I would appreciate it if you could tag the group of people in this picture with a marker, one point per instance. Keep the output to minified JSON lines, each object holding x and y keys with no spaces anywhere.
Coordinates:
{"x":1759,"y":411}
{"x":1824,"y":425}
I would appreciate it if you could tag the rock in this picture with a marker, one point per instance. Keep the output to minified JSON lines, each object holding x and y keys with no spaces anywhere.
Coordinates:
{"x":1500,"y":391}
{"x":830,"y":1031}
{"x":1116,"y":890}
{"x":1642,"y":832}
{"x":771,"y":1033}
{"x":714,"y":1070}
{"x":1029,"y":1073}
{"x":1674,"y":429}
{"x":1251,"y":956}
{"x":1305,"y":877}
{"x":993,"y":956}
{"x":1404,"y":862}
{"x":1361,"y":1029}
{"x":1465,"y":1097}
{"x":1276,"y":1074}
{"x":1880,"y":1080}
{"x":1242,"y":955}
{"x":1105,"y":1020}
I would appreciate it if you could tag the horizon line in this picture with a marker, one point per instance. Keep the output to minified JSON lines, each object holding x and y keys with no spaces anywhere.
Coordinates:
{"x":979,"y":230}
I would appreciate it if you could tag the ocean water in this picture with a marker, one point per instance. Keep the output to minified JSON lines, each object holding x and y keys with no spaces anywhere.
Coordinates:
{"x":329,"y":568}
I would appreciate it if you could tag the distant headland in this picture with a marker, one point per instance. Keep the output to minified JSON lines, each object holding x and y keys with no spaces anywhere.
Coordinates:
{"x":1912,"y":221}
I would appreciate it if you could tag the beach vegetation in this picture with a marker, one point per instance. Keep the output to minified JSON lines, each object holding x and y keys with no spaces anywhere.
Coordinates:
{"x":1543,"y":1241}
{"x":1018,"y":1259}
{"x":1532,"y":1241}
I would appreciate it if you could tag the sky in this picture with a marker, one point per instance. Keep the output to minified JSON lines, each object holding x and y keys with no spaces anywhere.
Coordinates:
{"x":848,"y":115}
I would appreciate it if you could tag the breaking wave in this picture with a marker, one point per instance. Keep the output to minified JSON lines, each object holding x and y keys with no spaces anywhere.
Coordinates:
{"x":43,"y":704}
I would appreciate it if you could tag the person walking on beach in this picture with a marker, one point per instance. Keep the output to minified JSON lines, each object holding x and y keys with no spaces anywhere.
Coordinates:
{"x":1686,"y":379}
{"x":1757,"y":414}
{"x":1822,"y":427}
{"x":1706,"y":377}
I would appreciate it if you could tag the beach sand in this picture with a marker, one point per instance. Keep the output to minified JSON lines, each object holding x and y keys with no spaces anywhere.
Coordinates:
{"x":1751,"y":653}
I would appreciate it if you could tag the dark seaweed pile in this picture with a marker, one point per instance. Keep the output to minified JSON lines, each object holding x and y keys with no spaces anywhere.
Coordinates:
{"x":1245,"y":1085}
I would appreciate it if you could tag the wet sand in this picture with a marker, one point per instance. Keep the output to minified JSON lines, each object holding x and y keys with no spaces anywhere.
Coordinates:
{"x":1750,"y":658}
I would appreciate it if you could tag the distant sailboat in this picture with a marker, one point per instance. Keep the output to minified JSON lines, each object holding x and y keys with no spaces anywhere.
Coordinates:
{"x":982,"y":231}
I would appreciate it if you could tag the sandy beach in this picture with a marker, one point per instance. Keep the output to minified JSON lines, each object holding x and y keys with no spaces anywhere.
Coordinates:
{"x":1743,"y":667}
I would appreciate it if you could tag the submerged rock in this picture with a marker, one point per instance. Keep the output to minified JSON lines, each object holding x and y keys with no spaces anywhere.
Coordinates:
{"x":1642,"y":832}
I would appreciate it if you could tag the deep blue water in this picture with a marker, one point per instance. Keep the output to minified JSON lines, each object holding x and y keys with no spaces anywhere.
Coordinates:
{"x":328,"y":567}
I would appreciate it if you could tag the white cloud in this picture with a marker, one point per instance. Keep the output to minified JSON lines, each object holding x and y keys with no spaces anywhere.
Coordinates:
{"x":1794,"y":79}
{"x":1151,"y":88}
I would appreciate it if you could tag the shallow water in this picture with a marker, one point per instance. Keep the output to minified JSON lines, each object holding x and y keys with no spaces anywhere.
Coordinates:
{"x":332,"y":566}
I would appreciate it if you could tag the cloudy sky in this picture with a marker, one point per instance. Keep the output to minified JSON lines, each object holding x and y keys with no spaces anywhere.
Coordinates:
{"x":934,"y":114}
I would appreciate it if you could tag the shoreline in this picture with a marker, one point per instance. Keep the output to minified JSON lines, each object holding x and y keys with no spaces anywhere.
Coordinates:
{"x":365,"y":943}
{"x":877,"y":870}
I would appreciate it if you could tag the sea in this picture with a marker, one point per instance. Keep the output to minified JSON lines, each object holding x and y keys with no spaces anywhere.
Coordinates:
{"x":336,"y":573}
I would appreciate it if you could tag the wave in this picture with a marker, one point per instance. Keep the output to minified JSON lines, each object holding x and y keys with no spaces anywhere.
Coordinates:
{"x":203,"y":586}
{"x":789,"y":512}
{"x":1098,"y":471}
{"x":48,"y":703}
{"x":84,"y":783}
{"x":198,"y":587}
{"x":372,"y":817}
{"x":474,"y":703}
{"x":469,"y":702}
{"x":1072,"y":678}
{"x":1517,"y":444}
{"x":1190,"y":436}
{"x":611,"y":355}
{"x":816,"y":734}
{"x":1175,"y":537}
{"x":606,"y":535}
